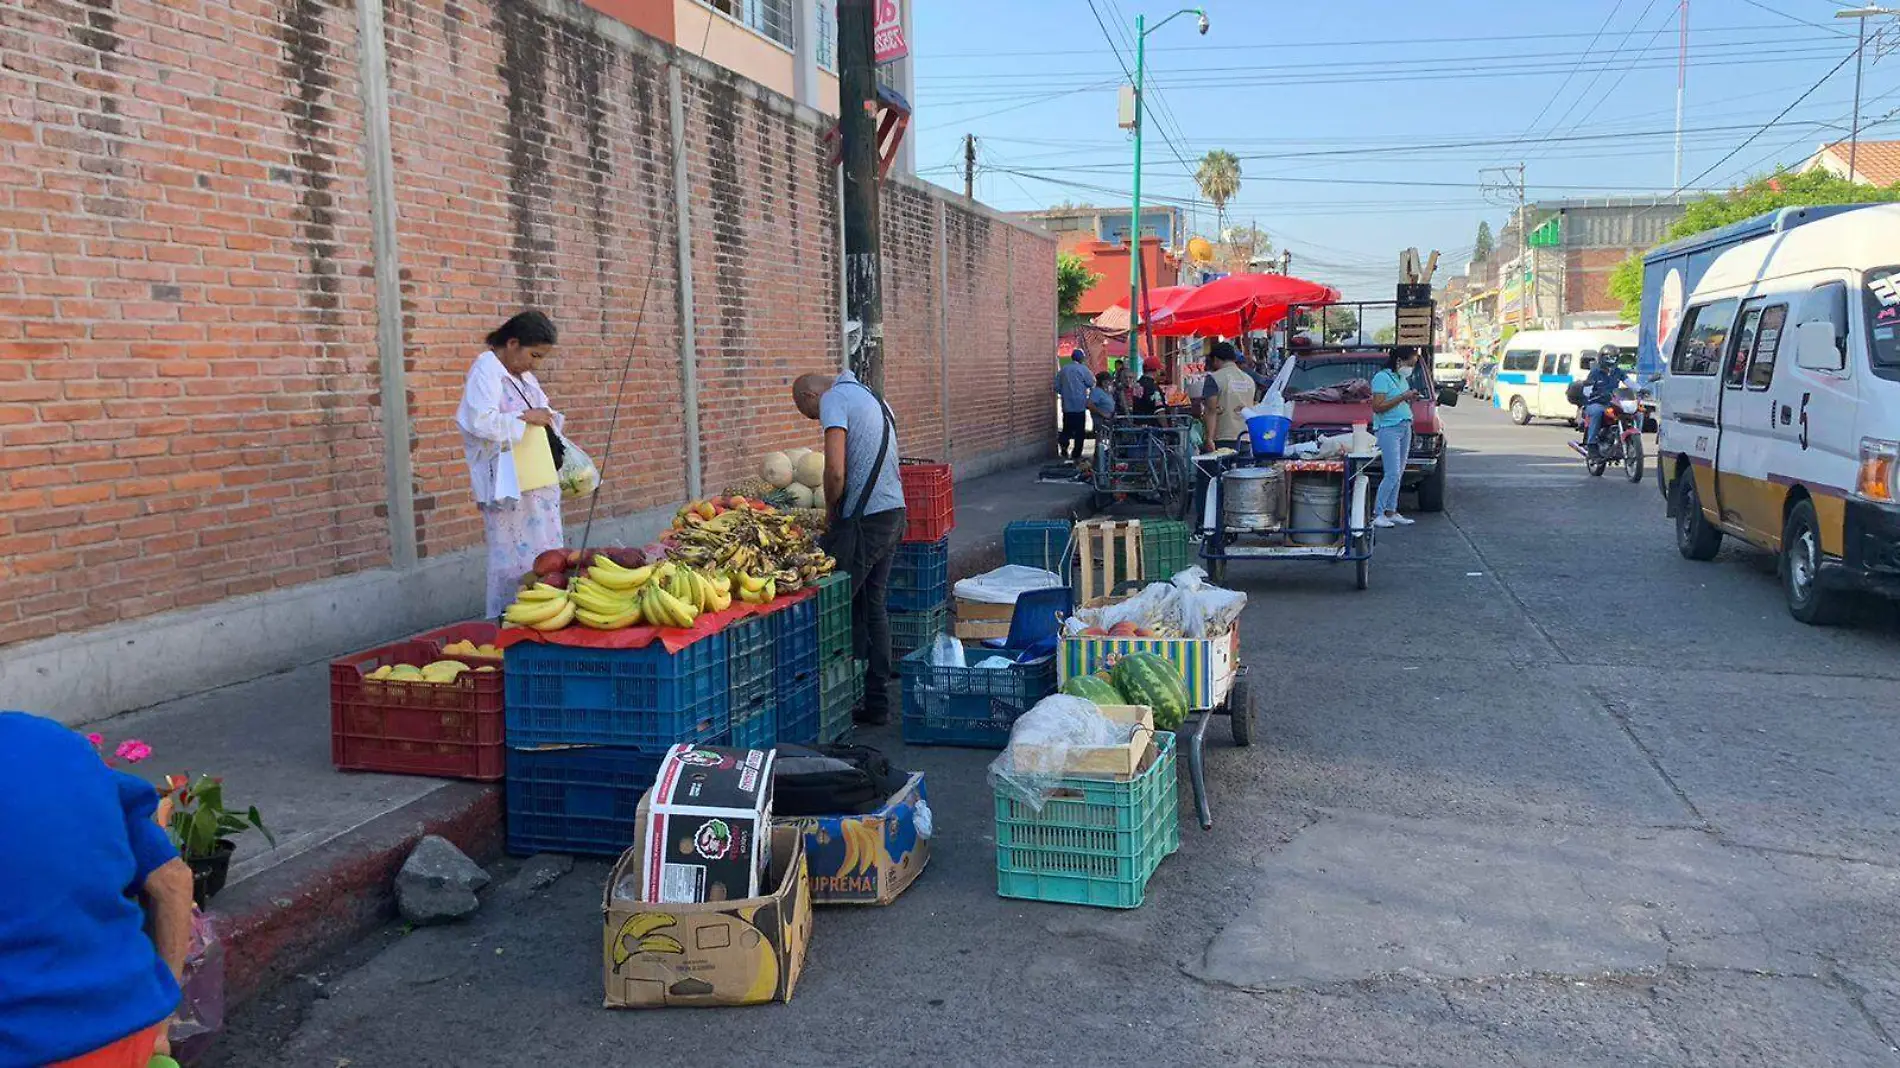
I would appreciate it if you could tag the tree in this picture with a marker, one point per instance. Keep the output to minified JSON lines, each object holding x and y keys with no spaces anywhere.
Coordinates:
{"x":1782,"y":189}
{"x":1219,"y":179}
{"x":1481,"y":248}
{"x":1240,"y":245}
{"x":1385,"y":335}
{"x":1073,"y":278}
{"x":1340,"y":323}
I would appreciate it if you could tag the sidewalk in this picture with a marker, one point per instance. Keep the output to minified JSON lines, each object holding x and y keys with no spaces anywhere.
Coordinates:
{"x":341,"y":836}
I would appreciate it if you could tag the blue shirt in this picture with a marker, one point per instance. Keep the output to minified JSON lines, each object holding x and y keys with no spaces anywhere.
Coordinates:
{"x":850,"y":405}
{"x":77,"y":971}
{"x":1602,"y":385}
{"x":1102,"y":401}
{"x":1390,"y":384}
{"x":1073,"y":382}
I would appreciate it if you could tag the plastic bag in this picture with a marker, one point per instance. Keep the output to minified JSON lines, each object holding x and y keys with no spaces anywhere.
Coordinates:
{"x":201,"y":1009}
{"x":1208,"y":609}
{"x":578,"y":475}
{"x":993,"y":662}
{"x":1005,"y":584}
{"x":1039,"y":744}
{"x":946,"y":651}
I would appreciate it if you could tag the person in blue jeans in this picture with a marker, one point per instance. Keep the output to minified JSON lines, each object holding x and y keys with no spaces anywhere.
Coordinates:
{"x":1392,"y":397}
{"x":1598,"y":391}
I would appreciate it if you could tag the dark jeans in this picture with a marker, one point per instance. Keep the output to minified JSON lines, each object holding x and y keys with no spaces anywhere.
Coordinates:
{"x":1075,"y":431}
{"x":866,"y":554}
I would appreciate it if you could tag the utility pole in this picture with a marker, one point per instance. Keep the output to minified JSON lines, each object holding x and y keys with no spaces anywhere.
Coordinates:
{"x":1682,"y":77}
{"x":969,"y":166}
{"x":857,"y":121}
{"x":1135,"y":308}
{"x":1861,"y":14}
{"x":1286,"y":262}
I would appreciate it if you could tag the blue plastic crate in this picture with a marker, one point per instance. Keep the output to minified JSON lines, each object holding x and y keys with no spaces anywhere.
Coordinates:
{"x":759,"y":728}
{"x":795,"y":642}
{"x":750,"y":662}
{"x":1043,"y":543}
{"x":798,"y":712}
{"x":920,"y":576}
{"x":577,"y":800}
{"x":647,"y":699}
{"x":969,"y":706}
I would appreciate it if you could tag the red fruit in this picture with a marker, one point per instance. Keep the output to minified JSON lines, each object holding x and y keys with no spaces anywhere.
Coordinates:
{"x":553,"y":561}
{"x":1124,"y":630}
{"x":628,"y":558}
{"x":558,"y":580}
{"x":576,"y":558}
{"x":1096,"y":632}
{"x":1144,"y":632}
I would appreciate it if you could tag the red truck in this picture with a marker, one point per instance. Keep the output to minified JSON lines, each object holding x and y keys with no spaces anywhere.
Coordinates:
{"x":1349,"y":371}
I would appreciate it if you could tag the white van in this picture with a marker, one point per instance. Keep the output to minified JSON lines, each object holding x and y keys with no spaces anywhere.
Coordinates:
{"x":1780,"y":409}
{"x":1449,"y":369}
{"x":1537,"y":367}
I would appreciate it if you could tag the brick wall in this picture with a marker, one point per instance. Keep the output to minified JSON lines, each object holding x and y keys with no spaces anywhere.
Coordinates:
{"x":189,"y":377}
{"x":1587,"y":279}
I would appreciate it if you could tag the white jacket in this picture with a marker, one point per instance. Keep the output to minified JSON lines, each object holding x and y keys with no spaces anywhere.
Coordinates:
{"x":490,"y":420}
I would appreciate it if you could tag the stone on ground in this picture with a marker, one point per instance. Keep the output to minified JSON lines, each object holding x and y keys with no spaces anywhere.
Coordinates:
{"x":437,"y":884}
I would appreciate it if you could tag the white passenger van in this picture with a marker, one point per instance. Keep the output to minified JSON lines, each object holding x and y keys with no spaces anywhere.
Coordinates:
{"x":1449,"y":369}
{"x":1780,"y":409}
{"x":1537,"y":367}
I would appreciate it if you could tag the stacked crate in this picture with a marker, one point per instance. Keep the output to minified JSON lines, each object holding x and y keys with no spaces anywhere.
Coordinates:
{"x":840,"y":675}
{"x":751,"y":667}
{"x":586,"y":729}
{"x":450,"y":730}
{"x":794,"y":631}
{"x":920,"y":595}
{"x":1164,"y":549}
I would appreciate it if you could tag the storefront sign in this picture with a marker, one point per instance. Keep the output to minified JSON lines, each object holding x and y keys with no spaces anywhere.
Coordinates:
{"x":888,"y":37}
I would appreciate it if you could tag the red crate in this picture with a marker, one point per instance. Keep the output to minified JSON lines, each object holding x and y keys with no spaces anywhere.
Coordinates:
{"x":481,"y":632}
{"x":929,"y":500}
{"x":452,"y":730}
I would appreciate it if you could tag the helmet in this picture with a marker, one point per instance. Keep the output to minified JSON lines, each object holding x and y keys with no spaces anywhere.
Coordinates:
{"x":1609,"y":355}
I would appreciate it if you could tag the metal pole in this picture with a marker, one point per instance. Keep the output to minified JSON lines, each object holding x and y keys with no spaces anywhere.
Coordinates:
{"x":1853,"y":145}
{"x":1134,"y":214}
{"x":969,"y":166}
{"x":1682,"y":74}
{"x":683,"y":249}
{"x":857,"y":102}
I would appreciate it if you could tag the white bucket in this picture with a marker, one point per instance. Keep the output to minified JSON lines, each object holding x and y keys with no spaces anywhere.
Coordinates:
{"x":1315,"y":508}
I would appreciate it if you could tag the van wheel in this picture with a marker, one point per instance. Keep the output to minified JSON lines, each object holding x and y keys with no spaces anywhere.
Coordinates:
{"x":1431,"y":492}
{"x":1801,"y":571}
{"x":1520,"y":412}
{"x":1696,"y":539}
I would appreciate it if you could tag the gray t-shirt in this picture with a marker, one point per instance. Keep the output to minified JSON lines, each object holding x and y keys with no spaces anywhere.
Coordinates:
{"x":851,"y":406}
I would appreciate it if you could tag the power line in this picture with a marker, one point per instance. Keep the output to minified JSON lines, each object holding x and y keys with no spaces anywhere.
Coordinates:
{"x":1565,"y":84}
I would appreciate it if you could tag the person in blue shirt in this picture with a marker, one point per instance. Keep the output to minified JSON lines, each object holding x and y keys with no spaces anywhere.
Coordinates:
{"x":1102,"y":403}
{"x":79,"y":976}
{"x":1599,"y":389}
{"x":1073,"y":384}
{"x":1392,"y":395}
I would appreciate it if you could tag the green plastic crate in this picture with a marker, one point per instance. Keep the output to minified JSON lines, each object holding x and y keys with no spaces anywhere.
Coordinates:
{"x":834,"y":616}
{"x":1095,"y":843}
{"x":1164,"y":549}
{"x":911,"y":631}
{"x":840,"y":692}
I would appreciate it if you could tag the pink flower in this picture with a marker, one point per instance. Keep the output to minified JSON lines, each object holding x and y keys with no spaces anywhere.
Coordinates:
{"x":97,"y":740}
{"x":132,"y":751}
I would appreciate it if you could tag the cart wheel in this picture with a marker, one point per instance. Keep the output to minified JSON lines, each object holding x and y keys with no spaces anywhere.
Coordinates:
{"x":1363,"y":578}
{"x":1240,"y":713}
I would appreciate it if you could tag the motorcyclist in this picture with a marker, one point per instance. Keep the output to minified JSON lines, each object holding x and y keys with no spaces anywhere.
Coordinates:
{"x":1599,"y":391}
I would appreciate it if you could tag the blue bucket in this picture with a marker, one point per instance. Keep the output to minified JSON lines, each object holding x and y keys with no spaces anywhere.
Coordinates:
{"x":1269,"y":434}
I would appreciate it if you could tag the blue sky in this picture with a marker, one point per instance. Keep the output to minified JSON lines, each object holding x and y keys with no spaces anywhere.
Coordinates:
{"x":1362,"y":126}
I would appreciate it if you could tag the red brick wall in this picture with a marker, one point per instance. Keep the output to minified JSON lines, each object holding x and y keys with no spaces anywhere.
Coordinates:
{"x":189,"y":386}
{"x":1587,"y":279}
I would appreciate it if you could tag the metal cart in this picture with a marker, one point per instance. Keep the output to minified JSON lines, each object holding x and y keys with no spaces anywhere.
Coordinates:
{"x":1251,"y":505}
{"x":1145,"y":457}
{"x":1237,"y":705}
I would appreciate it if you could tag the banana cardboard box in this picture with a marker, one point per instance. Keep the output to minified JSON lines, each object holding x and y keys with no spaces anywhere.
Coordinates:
{"x":868,"y":860}
{"x":741,"y":952}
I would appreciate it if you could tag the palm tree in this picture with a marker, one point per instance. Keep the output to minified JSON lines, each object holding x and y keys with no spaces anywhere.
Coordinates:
{"x":1219,"y":179}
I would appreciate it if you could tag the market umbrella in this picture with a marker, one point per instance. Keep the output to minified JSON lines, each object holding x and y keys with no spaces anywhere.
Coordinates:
{"x":1158,"y":301}
{"x":1240,"y":302}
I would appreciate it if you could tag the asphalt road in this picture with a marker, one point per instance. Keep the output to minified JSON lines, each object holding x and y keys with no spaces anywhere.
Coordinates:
{"x":1546,"y":794}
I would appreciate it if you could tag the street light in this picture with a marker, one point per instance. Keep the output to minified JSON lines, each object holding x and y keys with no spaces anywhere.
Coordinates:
{"x":1860,"y":50}
{"x":1142,"y":30}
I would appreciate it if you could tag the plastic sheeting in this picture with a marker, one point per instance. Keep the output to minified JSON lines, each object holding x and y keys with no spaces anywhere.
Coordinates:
{"x":1037,"y":757}
{"x":1005,"y":584}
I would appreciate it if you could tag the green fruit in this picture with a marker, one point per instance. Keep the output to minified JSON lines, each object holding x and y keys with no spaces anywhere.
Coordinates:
{"x":1150,"y":679}
{"x":1093,"y":688}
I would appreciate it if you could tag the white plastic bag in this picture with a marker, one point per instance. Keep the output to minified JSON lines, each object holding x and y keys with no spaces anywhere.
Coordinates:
{"x":947,"y":651}
{"x":1005,"y":584}
{"x":1209,"y":609}
{"x":1039,"y":744}
{"x":578,"y":476}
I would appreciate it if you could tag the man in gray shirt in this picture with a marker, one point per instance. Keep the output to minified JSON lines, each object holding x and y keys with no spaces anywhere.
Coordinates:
{"x":1073,"y":383}
{"x":864,"y":499}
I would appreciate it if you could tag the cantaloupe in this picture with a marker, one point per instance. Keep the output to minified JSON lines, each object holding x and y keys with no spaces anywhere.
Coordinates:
{"x":810,"y":470}
{"x":797,"y":454}
{"x":776,"y":468}
{"x":801,"y":495}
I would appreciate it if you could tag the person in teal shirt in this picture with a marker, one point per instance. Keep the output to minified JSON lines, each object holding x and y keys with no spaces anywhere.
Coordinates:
{"x":1392,"y":397}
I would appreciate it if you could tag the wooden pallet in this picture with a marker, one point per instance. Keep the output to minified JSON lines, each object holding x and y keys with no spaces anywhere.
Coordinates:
{"x":1109,"y":555}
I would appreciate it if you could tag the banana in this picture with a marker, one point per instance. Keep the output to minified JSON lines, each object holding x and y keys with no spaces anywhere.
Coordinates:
{"x":602,"y":621}
{"x":540,"y":591}
{"x":751,"y":583}
{"x":638,"y":928}
{"x":559,"y":620}
{"x":533,"y":612}
{"x":602,"y":604}
{"x":660,"y":943}
{"x":720,"y":601}
{"x":609,"y":574}
{"x":722,"y":583}
{"x":677,"y":612}
{"x":770,"y":593}
{"x":851,"y":846}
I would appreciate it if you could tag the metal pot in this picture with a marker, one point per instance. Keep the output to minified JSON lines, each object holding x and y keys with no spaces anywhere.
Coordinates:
{"x":1253,"y":498}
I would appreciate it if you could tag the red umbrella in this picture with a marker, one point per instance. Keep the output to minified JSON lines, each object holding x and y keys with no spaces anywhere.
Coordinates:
{"x":1241,"y":302}
{"x":1159,"y":302}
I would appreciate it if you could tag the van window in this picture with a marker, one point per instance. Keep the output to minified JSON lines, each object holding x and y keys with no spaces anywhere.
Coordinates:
{"x":1585,"y":362}
{"x":1563,"y":365}
{"x":1761,"y":369}
{"x":1701,"y":341}
{"x":1743,"y":348}
{"x":1550,"y":363}
{"x":1521,"y":360}
{"x":1881,"y":299}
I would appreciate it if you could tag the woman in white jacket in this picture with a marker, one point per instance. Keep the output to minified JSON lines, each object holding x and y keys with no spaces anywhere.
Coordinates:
{"x":505,"y":419}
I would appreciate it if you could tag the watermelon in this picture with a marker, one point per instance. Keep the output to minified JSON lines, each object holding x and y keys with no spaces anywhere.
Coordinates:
{"x":1094,"y":688}
{"x":1150,"y":679}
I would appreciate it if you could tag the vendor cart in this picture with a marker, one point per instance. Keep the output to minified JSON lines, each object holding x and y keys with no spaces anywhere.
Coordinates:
{"x":1292,"y":509}
{"x":1145,"y":457}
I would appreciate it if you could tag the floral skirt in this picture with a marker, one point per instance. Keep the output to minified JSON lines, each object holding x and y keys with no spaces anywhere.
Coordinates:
{"x":517,"y":532}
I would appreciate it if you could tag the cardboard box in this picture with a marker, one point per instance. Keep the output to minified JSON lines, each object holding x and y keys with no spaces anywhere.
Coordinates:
{"x":745,"y":952}
{"x":1207,"y":664}
{"x":870,"y":859}
{"x":978,"y":620}
{"x":1117,"y":762}
{"x":704,"y":825}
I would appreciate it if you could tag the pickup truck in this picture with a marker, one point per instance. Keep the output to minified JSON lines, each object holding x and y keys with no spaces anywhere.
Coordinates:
{"x":1321,"y":368}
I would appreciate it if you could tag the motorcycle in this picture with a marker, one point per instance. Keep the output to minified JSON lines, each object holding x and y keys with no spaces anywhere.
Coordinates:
{"x":1619,"y":438}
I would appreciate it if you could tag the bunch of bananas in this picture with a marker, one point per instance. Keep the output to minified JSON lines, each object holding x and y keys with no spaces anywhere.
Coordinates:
{"x":664,"y":595}
{"x":749,"y":541}
{"x":542,"y":607}
{"x":755,"y":590}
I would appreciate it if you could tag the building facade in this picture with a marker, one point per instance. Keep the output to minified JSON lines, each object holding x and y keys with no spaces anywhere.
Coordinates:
{"x":1557,"y":257}
{"x":1074,"y":227}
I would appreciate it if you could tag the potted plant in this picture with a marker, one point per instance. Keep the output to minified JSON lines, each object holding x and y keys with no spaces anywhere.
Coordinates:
{"x":202,"y":828}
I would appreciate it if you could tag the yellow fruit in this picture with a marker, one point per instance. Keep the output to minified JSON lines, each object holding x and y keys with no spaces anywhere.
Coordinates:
{"x":486,"y":667}
{"x":381,"y":672}
{"x":559,"y":620}
{"x":534,"y":613}
{"x":492,"y":652}
{"x":405,"y":673}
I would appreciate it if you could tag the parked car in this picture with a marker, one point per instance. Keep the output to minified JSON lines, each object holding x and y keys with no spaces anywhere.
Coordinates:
{"x":1484,"y":380}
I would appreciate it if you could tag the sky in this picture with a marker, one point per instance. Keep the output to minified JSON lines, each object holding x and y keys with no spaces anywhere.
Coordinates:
{"x":1363,"y":126}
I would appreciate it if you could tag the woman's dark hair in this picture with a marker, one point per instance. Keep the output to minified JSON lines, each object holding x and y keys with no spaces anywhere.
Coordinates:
{"x":529,"y":327}
{"x":1223,"y":350}
{"x":1103,"y":378}
{"x":1399,"y":352}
